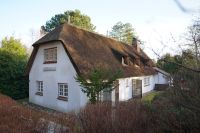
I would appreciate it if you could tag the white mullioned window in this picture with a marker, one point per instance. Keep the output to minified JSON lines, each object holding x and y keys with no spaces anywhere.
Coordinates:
{"x":126,"y":82}
{"x":40,"y":86}
{"x":134,"y":83}
{"x":63,"y":90}
{"x":50,"y":55}
{"x":146,"y":81}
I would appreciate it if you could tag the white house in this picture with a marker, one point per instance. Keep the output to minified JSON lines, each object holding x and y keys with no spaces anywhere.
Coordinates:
{"x":67,"y":51}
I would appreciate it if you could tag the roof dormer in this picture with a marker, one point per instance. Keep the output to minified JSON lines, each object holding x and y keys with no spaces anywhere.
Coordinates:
{"x":125,"y":61}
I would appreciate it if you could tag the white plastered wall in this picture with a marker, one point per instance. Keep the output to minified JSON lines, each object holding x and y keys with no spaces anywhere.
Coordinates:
{"x":64,"y":73}
{"x":125,"y":90}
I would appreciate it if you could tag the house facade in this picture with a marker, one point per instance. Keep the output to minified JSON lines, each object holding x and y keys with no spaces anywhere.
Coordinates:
{"x":67,"y":51}
{"x":52,"y":85}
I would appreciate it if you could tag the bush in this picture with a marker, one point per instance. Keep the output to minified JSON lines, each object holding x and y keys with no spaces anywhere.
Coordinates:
{"x":178,"y":108}
{"x":12,"y":81}
{"x":127,"y":117}
{"x":15,"y":118}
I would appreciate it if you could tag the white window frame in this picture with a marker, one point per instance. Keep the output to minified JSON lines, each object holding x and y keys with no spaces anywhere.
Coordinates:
{"x":50,"y":55}
{"x":63,"y":90}
{"x":146,"y":81}
{"x":40,"y":86}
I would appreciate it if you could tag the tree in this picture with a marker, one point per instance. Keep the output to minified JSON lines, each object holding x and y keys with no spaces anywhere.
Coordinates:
{"x":166,"y":63}
{"x":99,"y":80}
{"x":13,"y":59}
{"x":72,"y":17}
{"x":14,"y":46}
{"x":193,"y":37}
{"x":122,"y":32}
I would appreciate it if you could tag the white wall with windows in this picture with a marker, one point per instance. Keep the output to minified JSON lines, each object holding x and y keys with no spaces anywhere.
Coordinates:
{"x":55,"y":79}
{"x":149,"y":85}
{"x":126,"y":84}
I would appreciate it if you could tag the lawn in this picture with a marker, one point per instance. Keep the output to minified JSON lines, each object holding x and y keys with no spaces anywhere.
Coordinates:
{"x":148,"y":98}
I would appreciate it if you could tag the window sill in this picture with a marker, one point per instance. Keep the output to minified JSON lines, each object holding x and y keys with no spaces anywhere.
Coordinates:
{"x":39,"y":93}
{"x":62,"y":98}
{"x":146,"y":85}
{"x":50,"y":62}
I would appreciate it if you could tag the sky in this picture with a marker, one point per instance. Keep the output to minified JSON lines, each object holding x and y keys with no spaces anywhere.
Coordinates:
{"x":160,"y":24}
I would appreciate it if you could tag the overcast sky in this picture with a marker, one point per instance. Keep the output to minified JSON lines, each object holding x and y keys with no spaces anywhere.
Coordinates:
{"x":154,"y":21}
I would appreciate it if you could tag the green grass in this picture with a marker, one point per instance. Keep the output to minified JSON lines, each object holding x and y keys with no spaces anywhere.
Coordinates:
{"x":150,"y":96}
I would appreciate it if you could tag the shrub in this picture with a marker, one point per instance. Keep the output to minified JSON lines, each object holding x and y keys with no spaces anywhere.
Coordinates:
{"x":127,"y":117}
{"x":15,"y":118}
{"x":12,"y":80}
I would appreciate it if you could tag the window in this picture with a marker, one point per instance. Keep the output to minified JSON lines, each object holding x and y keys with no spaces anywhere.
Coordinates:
{"x":50,"y":55}
{"x":136,"y":88}
{"x":105,"y":96}
{"x":134,"y":83}
{"x":63,"y":91}
{"x":125,"y":61}
{"x":126,"y":82}
{"x":146,"y":81}
{"x":39,"y":88}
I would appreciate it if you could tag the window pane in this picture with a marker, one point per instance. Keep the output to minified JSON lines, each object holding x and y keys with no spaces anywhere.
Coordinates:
{"x":65,"y":86}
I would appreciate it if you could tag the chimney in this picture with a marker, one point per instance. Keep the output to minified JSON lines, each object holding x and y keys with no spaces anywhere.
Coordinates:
{"x":136,"y":44}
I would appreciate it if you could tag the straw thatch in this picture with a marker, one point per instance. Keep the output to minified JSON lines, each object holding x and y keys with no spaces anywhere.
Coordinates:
{"x":88,"y":50}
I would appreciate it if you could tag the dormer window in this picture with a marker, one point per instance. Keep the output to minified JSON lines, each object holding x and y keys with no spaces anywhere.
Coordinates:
{"x":138,"y":62}
{"x":125,"y":60}
{"x":50,"y":55}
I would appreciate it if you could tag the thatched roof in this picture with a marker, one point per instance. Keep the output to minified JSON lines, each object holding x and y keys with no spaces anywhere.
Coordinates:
{"x":88,"y":50}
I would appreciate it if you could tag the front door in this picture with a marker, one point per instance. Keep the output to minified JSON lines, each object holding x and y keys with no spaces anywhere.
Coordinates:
{"x":136,"y":88}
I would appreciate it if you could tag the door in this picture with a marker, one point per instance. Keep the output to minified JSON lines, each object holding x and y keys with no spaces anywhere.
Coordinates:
{"x":136,"y":88}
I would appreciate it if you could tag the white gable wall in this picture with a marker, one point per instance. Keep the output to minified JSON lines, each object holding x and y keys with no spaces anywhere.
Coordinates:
{"x":161,"y":79}
{"x":64,"y":73}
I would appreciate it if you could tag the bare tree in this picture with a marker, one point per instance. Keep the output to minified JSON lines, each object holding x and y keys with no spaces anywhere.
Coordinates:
{"x":193,"y":38}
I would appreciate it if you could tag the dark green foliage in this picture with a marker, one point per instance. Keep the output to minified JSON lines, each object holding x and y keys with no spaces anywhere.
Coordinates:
{"x":72,"y":17}
{"x":98,"y":80}
{"x":122,"y":32}
{"x":176,"y":63}
{"x":13,"y":59}
{"x":166,"y":63}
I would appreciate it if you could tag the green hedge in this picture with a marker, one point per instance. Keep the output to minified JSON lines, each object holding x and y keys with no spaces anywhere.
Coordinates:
{"x":12,"y":80}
